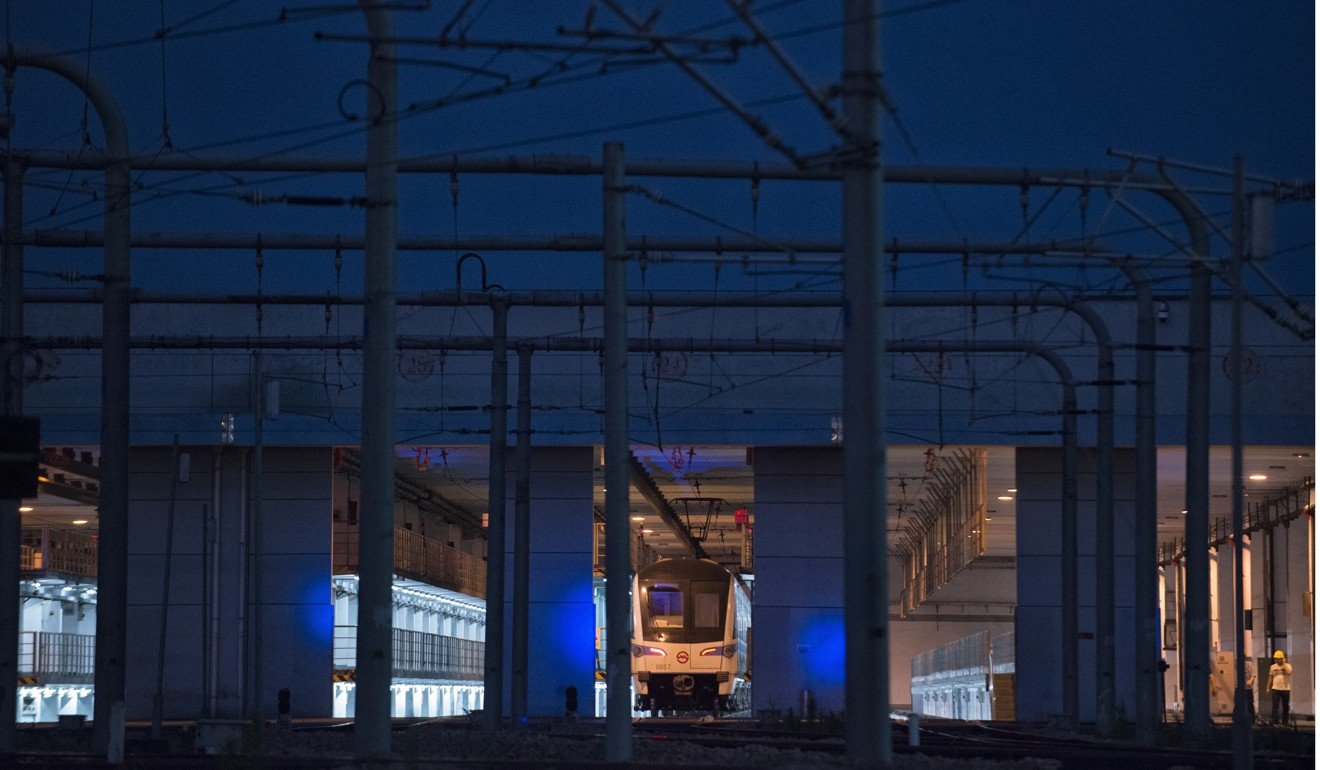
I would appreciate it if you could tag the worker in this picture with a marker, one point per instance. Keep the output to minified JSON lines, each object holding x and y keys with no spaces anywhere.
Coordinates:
{"x":1280,"y":686}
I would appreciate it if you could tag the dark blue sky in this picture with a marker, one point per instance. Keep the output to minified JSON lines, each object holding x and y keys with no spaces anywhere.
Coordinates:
{"x":977,"y":82}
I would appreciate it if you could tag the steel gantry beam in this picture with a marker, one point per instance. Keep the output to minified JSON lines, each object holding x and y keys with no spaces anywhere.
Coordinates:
{"x":579,"y":165}
{"x":654,"y":247}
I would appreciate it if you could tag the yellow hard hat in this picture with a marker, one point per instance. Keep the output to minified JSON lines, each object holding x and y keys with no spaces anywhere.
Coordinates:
{"x":1278,"y":653}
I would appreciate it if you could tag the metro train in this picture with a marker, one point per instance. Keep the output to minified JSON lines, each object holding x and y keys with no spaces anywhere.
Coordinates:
{"x":691,"y":620}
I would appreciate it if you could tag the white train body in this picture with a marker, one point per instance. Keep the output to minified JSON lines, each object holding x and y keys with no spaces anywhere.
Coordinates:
{"x":689,"y":645}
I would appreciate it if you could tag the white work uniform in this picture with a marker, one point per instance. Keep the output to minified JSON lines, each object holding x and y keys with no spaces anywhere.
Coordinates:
{"x":1281,"y":676}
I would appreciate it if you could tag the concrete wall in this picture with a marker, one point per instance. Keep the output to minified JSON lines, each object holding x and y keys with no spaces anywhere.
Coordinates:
{"x":1040,"y":603}
{"x":296,"y":606}
{"x":797,"y":612}
{"x":561,"y":613}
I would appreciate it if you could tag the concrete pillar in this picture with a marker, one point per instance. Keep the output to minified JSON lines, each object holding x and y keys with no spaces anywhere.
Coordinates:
{"x":561,"y":614}
{"x":1039,"y":601}
{"x":797,"y":617}
{"x":298,"y":612}
{"x":1221,"y":610}
{"x":1300,"y":622}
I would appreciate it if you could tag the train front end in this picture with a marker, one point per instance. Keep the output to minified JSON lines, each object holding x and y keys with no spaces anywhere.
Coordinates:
{"x":688,"y":652}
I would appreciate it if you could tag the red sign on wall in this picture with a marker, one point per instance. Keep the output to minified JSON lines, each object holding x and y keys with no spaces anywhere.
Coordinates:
{"x":740,"y":516}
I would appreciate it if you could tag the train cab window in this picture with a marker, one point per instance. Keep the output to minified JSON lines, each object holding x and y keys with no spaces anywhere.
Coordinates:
{"x":706,"y":612}
{"x":665,"y":603}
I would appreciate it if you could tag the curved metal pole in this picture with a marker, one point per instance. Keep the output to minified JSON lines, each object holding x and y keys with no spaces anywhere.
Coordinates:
{"x":1195,"y":652}
{"x":1146,"y":603}
{"x":112,"y":548}
{"x":375,"y":632}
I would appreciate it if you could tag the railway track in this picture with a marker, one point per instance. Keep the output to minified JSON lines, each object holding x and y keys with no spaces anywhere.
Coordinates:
{"x":939,"y":738}
{"x":965,"y":740}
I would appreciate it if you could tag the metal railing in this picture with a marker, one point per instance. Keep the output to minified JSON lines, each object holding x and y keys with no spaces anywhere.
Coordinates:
{"x":946,"y":531}
{"x":418,"y":655}
{"x":416,"y":557}
{"x":49,"y":549}
{"x":67,"y":658}
{"x":970,"y":652}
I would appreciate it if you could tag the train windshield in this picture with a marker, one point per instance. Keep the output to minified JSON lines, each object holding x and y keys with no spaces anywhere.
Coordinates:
{"x":665,"y":601}
{"x":684,"y":611}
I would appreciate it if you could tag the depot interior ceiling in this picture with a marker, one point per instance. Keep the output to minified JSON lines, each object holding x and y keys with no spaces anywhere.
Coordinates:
{"x":70,"y":483}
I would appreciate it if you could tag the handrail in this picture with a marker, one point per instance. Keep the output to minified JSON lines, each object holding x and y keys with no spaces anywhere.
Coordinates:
{"x":57,"y":656}
{"x":418,"y":654}
{"x":947,"y":532}
{"x":415,"y":557}
{"x":50,"y":549}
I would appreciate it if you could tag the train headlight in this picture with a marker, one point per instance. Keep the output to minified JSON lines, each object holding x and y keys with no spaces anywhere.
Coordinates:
{"x":638,"y":650}
{"x":728,"y":651}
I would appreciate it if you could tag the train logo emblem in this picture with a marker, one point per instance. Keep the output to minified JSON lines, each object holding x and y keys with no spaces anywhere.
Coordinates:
{"x":683,"y":657}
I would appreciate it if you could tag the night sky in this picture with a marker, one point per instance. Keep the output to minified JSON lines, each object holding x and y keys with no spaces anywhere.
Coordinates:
{"x":975,"y":82}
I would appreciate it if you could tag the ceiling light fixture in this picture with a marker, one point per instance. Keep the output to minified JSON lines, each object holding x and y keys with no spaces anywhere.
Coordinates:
{"x":1005,"y":497}
{"x":25,"y":509}
{"x":1013,"y":490}
{"x":80,"y":521}
{"x":1258,"y":477}
{"x":638,"y":518}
